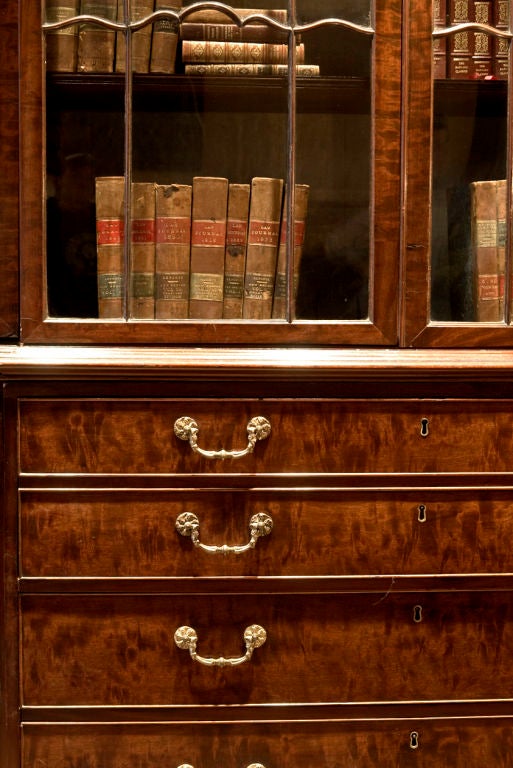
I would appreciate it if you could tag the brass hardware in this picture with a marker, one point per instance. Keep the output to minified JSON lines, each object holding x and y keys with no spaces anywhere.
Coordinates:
{"x":422,"y":516}
{"x":417,"y":614}
{"x":414,"y":740}
{"x":424,"y":427}
{"x":261,"y":524}
{"x":258,"y":428}
{"x":186,"y":638}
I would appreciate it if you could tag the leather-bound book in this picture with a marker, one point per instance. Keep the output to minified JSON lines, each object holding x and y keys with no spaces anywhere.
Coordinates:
{"x":164,"y":39}
{"x":172,"y":250}
{"x":141,"y":40}
{"x":211,"y":51}
{"x":252,"y":33}
{"x":142,"y":251}
{"x":482,"y":43}
{"x":215,"y":16}
{"x":62,"y":44}
{"x":110,"y":211}
{"x":300,"y":213}
{"x":439,"y":43}
{"x":250,"y":70}
{"x":208,"y":237}
{"x":488,"y":223}
{"x":262,"y":251}
{"x":460,"y":43}
{"x":500,"y":45}
{"x":96,"y":43}
{"x":235,"y":250}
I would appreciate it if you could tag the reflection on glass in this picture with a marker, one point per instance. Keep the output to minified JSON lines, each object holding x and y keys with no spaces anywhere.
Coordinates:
{"x":469,"y":166}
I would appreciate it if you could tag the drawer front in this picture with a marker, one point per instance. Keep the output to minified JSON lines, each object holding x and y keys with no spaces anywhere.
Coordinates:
{"x":307,"y":436}
{"x":307,"y":533}
{"x":327,"y":647}
{"x":444,"y":744}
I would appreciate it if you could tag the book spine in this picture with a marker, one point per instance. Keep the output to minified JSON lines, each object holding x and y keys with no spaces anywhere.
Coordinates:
{"x":142,"y":251}
{"x":502,"y":231}
{"x":280,"y":286}
{"x":96,"y":43}
{"x":62,"y":44}
{"x":173,"y":204}
{"x":252,"y":33}
{"x":488,"y":272}
{"x":235,"y":250}
{"x":208,"y":237}
{"x":459,"y":46}
{"x":250,"y":70}
{"x":501,"y":44}
{"x":141,"y":40}
{"x":214,"y":16}
{"x":439,"y":43}
{"x":208,"y":51}
{"x":110,"y":200}
{"x":262,"y":249}
{"x":164,"y":39}
{"x":481,"y":42}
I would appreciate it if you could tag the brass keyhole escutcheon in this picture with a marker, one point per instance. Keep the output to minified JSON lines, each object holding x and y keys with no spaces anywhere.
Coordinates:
{"x":424,"y":427}
{"x":414,"y":740}
{"x":422,"y":513}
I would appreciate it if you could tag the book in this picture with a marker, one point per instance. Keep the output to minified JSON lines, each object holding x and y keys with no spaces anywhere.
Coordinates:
{"x":262,"y":249}
{"x":110,"y":215}
{"x":215,"y":16}
{"x":209,"y":51}
{"x":252,"y":33}
{"x":164,"y":39}
{"x":235,"y":249}
{"x":501,"y":44}
{"x":208,"y":237}
{"x":488,"y":230}
{"x":62,"y":44}
{"x":459,"y":44}
{"x":280,"y":284}
{"x":173,"y":203}
{"x":96,"y":43}
{"x":250,"y":70}
{"x":481,"y":43}
{"x":439,"y":43}
{"x":141,"y":39}
{"x":142,"y":251}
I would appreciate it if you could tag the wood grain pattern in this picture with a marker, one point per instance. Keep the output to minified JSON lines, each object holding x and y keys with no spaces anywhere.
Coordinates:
{"x":132,"y":436}
{"x":122,"y":533}
{"x":119,"y":650}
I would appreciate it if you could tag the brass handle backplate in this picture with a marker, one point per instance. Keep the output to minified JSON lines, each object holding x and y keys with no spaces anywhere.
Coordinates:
{"x":258,"y":428}
{"x":186,"y":638}
{"x":261,"y":524}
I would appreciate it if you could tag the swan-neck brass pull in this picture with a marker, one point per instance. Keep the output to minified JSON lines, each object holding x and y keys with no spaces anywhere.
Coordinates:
{"x":187,"y":429}
{"x":261,"y":524}
{"x":253,"y":765}
{"x":186,"y":638}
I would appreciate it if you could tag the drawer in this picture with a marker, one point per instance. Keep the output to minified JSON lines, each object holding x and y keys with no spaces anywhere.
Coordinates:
{"x":307,"y":436}
{"x":308,"y":533}
{"x":120,"y":650}
{"x":390,"y":744}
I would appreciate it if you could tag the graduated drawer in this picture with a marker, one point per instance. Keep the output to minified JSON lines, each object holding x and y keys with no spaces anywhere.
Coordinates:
{"x":72,"y":533}
{"x":393,"y":743}
{"x":307,"y":436}
{"x":120,"y":650}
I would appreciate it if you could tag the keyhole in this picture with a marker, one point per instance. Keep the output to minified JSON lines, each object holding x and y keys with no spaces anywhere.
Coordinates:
{"x":424,"y":427}
{"x":414,"y":740}
{"x":422,"y":516}
{"x":417,"y":614}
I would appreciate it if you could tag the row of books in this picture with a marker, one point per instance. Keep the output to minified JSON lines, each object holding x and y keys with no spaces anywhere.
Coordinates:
{"x":488,"y":205}
{"x":211,"y":249}
{"x":471,"y":54}
{"x":207,"y":42}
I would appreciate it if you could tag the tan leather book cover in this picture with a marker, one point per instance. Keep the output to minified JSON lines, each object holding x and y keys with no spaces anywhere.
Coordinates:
{"x":141,"y":40}
{"x":142,"y":251}
{"x":488,"y":270}
{"x":110,"y":214}
{"x":262,"y":251}
{"x":251,"y":33}
{"x":173,"y":204}
{"x":280,"y":286}
{"x":208,"y":237}
{"x":214,"y":16}
{"x":223,"y":52}
{"x":164,"y":42}
{"x":235,"y":251}
{"x":62,"y":44}
{"x":96,"y":44}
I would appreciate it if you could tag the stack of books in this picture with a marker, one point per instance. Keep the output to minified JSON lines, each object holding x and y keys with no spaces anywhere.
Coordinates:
{"x":210,"y":249}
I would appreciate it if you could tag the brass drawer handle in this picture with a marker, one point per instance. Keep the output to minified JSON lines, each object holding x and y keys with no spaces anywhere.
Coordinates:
{"x":187,"y":429}
{"x":186,"y":638}
{"x":261,"y":524}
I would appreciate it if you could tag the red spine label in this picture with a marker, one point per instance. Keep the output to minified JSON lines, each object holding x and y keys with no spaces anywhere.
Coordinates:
{"x":110,"y":232}
{"x":174,"y":230}
{"x":208,"y":233}
{"x":263,"y":233}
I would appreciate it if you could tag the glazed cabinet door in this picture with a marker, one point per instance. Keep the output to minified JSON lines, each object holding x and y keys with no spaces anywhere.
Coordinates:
{"x":458,"y":199}
{"x":243,"y":187}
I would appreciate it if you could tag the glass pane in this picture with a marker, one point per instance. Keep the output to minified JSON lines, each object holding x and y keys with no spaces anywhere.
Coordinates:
{"x":469,"y":163}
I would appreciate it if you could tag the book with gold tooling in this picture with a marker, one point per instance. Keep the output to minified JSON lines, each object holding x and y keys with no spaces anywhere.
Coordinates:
{"x":142,"y":251}
{"x":62,"y":43}
{"x":110,"y":213}
{"x":141,"y":39}
{"x":223,"y":52}
{"x":235,"y":250}
{"x":280,"y":287}
{"x":96,"y":43}
{"x":172,"y":250}
{"x":164,"y":41}
{"x":488,"y":237}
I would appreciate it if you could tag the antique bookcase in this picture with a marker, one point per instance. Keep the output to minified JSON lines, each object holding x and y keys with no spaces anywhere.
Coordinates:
{"x":256,"y":491}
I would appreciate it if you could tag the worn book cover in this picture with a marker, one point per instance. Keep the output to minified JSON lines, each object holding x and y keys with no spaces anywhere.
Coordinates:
{"x":164,"y":39}
{"x":219,"y":52}
{"x":215,"y":16}
{"x":173,"y":203}
{"x":487,"y":227}
{"x":280,"y":286}
{"x":96,"y":44}
{"x":141,"y":40}
{"x":250,"y":70}
{"x":62,"y":44}
{"x":252,"y":33}
{"x":110,"y":213}
{"x":142,"y":251}
{"x":262,"y":249}
{"x":208,"y":237}
{"x":235,"y":250}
